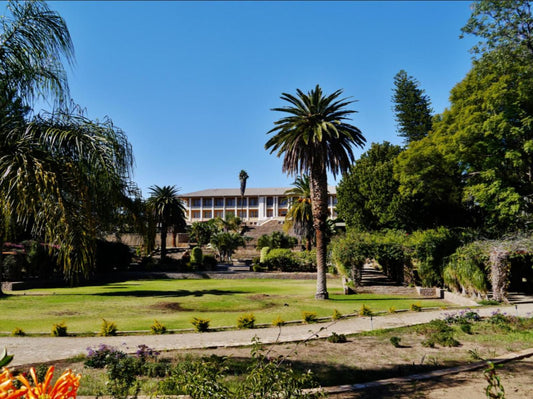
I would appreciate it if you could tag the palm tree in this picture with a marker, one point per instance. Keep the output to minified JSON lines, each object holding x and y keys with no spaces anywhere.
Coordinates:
{"x":168,"y":211}
{"x":33,"y":45}
{"x":62,"y":174}
{"x":313,"y":139}
{"x":243,"y":176}
{"x":300,"y":214}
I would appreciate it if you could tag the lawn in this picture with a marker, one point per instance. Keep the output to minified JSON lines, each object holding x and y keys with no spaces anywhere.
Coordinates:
{"x":133,"y":305}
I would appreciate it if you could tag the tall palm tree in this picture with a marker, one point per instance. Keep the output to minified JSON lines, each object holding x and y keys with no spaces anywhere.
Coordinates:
{"x":313,"y":139}
{"x":243,"y":176}
{"x":300,"y":214}
{"x":168,"y":211}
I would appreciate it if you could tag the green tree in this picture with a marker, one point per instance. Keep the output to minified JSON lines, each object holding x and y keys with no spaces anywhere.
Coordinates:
{"x":501,"y":24}
{"x":412,"y":108}
{"x":368,"y":194}
{"x":202,"y":231}
{"x":168,"y":211}
{"x":313,"y":139}
{"x":227,"y":243}
{"x":300,"y":214}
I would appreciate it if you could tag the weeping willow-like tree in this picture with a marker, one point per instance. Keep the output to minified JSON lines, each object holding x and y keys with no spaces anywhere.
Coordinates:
{"x":64,"y":177}
{"x":314,"y":137}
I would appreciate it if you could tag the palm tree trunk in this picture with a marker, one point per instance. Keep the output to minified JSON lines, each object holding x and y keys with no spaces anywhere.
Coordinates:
{"x":1,"y":266}
{"x":163,"y":242}
{"x":319,"y":201}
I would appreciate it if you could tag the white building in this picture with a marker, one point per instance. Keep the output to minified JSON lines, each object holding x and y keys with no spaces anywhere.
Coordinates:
{"x":259,"y":204}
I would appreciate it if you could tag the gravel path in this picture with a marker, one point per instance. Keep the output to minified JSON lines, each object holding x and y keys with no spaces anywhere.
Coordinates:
{"x":30,"y":350}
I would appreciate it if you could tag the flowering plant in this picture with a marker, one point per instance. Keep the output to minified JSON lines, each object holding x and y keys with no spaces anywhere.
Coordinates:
{"x":65,"y":387}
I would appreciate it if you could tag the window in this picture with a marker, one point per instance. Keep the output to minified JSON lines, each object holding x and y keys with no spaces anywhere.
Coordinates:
{"x":196,"y":202}
{"x":254,"y":213}
{"x":282,"y":201}
{"x":208,"y":214}
{"x":270,"y":213}
{"x":230,"y":213}
{"x":253,"y":201}
{"x":219,"y":214}
{"x":333,"y":200}
{"x":230,"y":202}
{"x":242,"y":214}
{"x":208,"y":202}
{"x":219,"y":202}
{"x":282,"y":212}
{"x":270,"y":201}
{"x":241,"y":201}
{"x":196,"y":214}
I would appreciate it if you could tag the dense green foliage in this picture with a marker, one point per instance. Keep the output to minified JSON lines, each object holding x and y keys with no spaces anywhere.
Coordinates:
{"x":412,"y":108}
{"x":368,"y":195}
{"x":277,"y":239}
{"x":417,"y":258}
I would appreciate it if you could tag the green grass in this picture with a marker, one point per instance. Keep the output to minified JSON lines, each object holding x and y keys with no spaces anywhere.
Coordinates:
{"x":133,"y":305}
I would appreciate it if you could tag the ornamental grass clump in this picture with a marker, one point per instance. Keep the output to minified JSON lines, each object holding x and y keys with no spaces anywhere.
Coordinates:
{"x":365,"y":311}
{"x":309,"y":317}
{"x":59,"y":330}
{"x":200,"y":325}
{"x":278,"y":322}
{"x":246,"y":321}
{"x":108,"y":328}
{"x":158,"y":328}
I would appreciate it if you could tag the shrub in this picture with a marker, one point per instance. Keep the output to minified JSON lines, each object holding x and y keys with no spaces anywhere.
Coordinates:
{"x":197,"y":256}
{"x":264,"y":253}
{"x":200,"y":325}
{"x":158,"y":328}
{"x":112,"y":256}
{"x":309,"y":317}
{"x":335,"y":338}
{"x":437,"y":332}
{"x":336,"y":315}
{"x":210,"y":262}
{"x":283,"y":260}
{"x":18,"y":332}
{"x":102,"y":356}
{"x":365,"y":311}
{"x":108,"y":328}
{"x":416,"y":307}
{"x":392,"y":309}
{"x":59,"y":330}
{"x":277,"y":239}
{"x":466,"y":327}
{"x":278,"y":322}
{"x":395,"y":341}
{"x":246,"y":321}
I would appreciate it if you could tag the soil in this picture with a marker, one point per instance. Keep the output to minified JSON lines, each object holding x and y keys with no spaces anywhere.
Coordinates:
{"x":371,"y":358}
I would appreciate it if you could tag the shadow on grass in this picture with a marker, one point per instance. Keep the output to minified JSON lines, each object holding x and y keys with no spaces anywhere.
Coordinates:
{"x":168,"y":294}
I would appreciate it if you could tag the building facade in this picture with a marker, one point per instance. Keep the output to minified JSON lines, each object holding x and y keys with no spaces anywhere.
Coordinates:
{"x":258,"y":204}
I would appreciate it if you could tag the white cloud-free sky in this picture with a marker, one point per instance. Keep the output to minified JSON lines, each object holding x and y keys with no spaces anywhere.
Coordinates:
{"x":192,"y":83}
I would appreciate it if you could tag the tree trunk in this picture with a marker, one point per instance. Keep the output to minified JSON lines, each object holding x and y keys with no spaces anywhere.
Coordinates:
{"x":319,"y":201}
{"x":1,"y":266}
{"x":163,"y":243}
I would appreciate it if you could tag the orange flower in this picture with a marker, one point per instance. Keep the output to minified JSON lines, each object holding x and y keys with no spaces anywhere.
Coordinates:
{"x":7,"y":389}
{"x":65,"y":387}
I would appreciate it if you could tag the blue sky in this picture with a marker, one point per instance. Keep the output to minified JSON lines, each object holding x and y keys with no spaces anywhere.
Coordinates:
{"x":192,"y":83}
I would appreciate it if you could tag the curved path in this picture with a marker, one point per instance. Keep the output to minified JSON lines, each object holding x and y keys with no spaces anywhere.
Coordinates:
{"x":31,"y":350}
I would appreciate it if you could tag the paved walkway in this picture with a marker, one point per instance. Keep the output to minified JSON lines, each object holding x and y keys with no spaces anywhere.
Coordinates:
{"x":30,"y":350}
